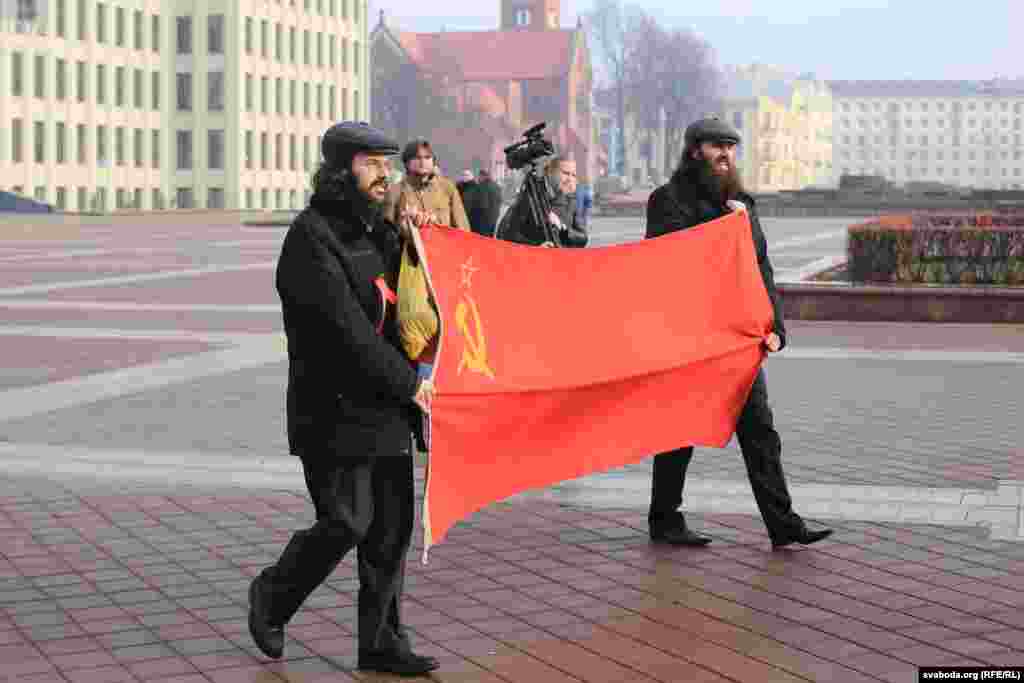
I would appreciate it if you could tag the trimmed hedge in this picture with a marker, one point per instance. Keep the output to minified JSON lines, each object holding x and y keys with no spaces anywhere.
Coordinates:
{"x":949,"y":249}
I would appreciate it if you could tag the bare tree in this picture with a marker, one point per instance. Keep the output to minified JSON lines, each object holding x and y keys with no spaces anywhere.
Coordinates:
{"x":608,"y":30}
{"x":692,"y":87}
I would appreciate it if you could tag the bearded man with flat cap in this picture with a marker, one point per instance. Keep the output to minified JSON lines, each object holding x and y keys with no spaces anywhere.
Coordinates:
{"x":353,"y":402}
{"x":707,"y":186}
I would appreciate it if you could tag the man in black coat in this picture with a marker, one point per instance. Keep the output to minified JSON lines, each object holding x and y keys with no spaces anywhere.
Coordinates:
{"x":704,"y":187}
{"x":484,"y":205}
{"x":353,"y":400}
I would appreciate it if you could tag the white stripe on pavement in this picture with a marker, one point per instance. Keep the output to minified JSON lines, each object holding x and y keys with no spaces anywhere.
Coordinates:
{"x":131,"y":279}
{"x":138,"y":307}
{"x":24,"y":402}
{"x":864,"y":354}
{"x":774,"y":247}
{"x":213,"y":337}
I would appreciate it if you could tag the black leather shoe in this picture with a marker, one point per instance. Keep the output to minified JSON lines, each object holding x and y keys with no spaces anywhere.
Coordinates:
{"x":396,"y":662}
{"x":805,"y":537}
{"x":678,"y":534}
{"x":269,"y":639}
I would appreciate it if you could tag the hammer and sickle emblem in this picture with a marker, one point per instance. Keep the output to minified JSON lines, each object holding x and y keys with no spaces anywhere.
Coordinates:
{"x":474,"y":356}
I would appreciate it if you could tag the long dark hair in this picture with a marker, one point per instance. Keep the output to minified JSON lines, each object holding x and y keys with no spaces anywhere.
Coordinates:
{"x":331,"y":182}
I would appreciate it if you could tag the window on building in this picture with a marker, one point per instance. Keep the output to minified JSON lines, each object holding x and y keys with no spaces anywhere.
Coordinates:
{"x":278,"y":199}
{"x":248,"y":149}
{"x":264,"y":38}
{"x":80,"y":143}
{"x":305,"y":153}
{"x":264,"y":94}
{"x":184,"y":198}
{"x":319,"y":49}
{"x":215,"y":34}
{"x":40,"y":76}
{"x":279,"y":96}
{"x":61,"y":79}
{"x":215,"y":149}
{"x":292,"y":44}
{"x":248,"y":35}
{"x":155,"y":44}
{"x":17,"y":74}
{"x":101,"y":84}
{"x":119,"y":153}
{"x":138,"y":28}
{"x":184,"y":89}
{"x":305,"y":100}
{"x":278,"y":43}
{"x":319,"y":101}
{"x":184,"y":35}
{"x":215,"y":90}
{"x":101,"y":23}
{"x":184,"y":147}
{"x":215,"y":198}
{"x":293,"y":153}
{"x":355,"y":57}
{"x":137,"y":147}
{"x":60,"y":141}
{"x":62,"y":198}
{"x":278,"y":152}
{"x":264,"y":152}
{"x":154,"y":148}
{"x":154,"y":91}
{"x":265,"y":198}
{"x":248,"y":92}
{"x":101,"y":145}
{"x":305,"y":47}
{"x":39,"y":141}
{"x":81,"y":76}
{"x":331,"y":97}
{"x":119,"y":27}
{"x":331,"y":47}
{"x":119,"y":77}
{"x":248,"y":198}
{"x":356,"y":107}
{"x":137,"y":94}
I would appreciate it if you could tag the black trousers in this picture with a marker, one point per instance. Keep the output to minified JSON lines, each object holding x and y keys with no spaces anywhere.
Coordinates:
{"x":762,"y":453}
{"x":362,"y":503}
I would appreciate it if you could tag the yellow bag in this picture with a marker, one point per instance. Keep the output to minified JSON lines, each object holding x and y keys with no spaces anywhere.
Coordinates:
{"x":417,"y":320}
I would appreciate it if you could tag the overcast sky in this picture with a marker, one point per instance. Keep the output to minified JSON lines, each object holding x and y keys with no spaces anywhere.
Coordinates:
{"x":836,"y":39}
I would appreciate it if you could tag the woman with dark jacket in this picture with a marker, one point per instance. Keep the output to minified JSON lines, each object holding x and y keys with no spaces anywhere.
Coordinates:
{"x":352,"y":404}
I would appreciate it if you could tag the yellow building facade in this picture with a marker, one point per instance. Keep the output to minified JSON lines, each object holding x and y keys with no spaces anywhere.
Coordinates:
{"x":154,"y":104}
{"x":786,"y":126}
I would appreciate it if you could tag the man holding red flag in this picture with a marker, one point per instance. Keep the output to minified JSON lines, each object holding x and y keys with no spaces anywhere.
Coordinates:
{"x":706,"y":186}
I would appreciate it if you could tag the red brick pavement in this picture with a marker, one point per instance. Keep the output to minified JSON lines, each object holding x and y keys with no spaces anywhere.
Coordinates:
{"x":121,"y":586}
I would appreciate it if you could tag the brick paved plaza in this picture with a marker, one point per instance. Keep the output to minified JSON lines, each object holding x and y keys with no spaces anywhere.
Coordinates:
{"x":145,"y":481}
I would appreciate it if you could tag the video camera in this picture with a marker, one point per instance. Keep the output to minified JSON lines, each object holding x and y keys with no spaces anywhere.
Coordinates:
{"x":533,"y":146}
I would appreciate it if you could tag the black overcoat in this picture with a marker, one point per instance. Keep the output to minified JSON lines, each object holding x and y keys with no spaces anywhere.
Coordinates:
{"x":350,"y":386}
{"x":678,"y":205}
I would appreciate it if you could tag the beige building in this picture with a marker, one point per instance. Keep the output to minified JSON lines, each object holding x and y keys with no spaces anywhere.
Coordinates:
{"x":964,"y":133}
{"x":786,"y":125}
{"x":149,"y":104}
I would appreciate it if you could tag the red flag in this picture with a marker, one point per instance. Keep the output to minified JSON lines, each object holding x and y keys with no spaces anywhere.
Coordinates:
{"x":556,"y":363}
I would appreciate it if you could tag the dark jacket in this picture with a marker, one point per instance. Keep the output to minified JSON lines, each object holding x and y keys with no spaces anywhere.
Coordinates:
{"x":350,"y":387}
{"x":518,"y":227}
{"x":483,"y":206}
{"x":678,"y":205}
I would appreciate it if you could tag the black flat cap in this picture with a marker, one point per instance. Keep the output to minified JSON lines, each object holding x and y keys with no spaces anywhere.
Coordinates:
{"x":710,"y":129}
{"x":344,"y":140}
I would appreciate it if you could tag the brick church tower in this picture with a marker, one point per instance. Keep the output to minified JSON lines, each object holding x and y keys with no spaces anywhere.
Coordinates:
{"x":530,"y":15}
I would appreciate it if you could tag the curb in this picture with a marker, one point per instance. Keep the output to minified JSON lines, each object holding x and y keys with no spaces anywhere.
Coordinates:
{"x":902,"y":303}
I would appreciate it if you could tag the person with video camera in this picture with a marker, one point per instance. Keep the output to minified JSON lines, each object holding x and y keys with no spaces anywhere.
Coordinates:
{"x":544,"y":213}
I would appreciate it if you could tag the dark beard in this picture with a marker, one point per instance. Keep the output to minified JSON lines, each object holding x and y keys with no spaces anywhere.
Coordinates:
{"x":717,"y":187}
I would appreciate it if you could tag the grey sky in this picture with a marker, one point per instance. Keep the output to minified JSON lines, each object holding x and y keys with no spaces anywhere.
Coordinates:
{"x":837,"y":39}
